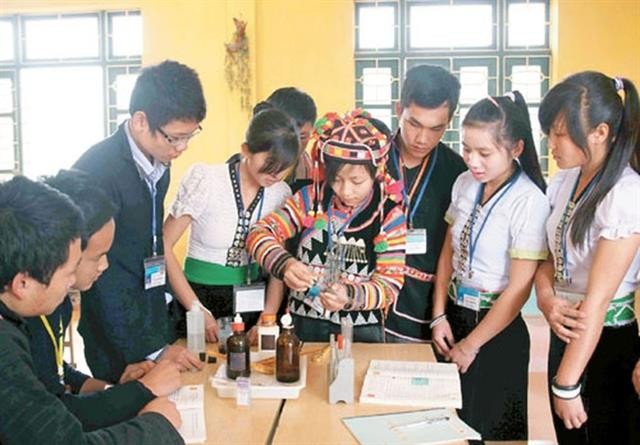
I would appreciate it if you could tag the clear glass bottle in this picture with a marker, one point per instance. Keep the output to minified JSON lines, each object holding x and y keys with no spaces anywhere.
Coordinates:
{"x":195,"y":331}
{"x":287,"y":353}
{"x":238,"y":351}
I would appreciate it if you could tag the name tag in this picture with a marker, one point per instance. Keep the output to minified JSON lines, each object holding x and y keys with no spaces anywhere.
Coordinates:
{"x":416,"y":241}
{"x":155,"y":272}
{"x":248,"y":297}
{"x":468,"y":297}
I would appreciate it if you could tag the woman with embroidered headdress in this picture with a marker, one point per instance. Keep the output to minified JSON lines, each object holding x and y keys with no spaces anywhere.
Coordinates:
{"x":348,"y":229}
{"x":493,"y":247}
{"x":586,"y":290}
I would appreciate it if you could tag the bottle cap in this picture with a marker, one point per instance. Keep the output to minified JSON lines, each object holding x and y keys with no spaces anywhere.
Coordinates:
{"x":238,"y":324}
{"x":286,"y":321}
{"x":268,"y":318}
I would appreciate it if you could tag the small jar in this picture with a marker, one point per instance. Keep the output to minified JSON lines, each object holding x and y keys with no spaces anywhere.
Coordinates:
{"x":268,"y":331}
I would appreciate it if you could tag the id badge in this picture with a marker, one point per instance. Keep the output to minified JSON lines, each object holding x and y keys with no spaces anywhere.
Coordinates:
{"x":248,"y":297}
{"x":416,"y":241}
{"x":468,"y":297}
{"x":155,"y":272}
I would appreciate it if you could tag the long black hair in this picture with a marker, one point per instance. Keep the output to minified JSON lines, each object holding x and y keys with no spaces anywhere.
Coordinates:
{"x":510,"y":118}
{"x":584,"y":101}
{"x":273,"y":131}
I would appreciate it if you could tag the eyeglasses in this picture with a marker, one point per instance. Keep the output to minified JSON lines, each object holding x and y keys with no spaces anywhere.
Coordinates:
{"x":176,"y":141}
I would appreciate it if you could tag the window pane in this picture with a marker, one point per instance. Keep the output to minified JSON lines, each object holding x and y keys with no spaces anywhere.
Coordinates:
{"x":62,"y":111}
{"x":535,"y":128}
{"x":527,"y":24}
{"x":463,"y":113}
{"x":6,"y":95}
{"x":376,"y":86}
{"x":384,"y":114}
{"x":6,"y":40}
{"x":124,"y":87}
{"x":376,"y":27}
{"x":528,"y":80}
{"x":451,"y":26}
{"x":474,"y":83}
{"x":64,"y":37}
{"x":7,"y":136}
{"x":121,"y":117}
{"x":127,"y":35}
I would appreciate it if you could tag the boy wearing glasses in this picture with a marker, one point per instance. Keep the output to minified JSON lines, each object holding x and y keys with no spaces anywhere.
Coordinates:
{"x":124,"y":317}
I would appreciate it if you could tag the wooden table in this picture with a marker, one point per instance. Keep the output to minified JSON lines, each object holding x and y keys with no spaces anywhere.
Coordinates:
{"x":311,"y":419}
{"x":226,"y":422}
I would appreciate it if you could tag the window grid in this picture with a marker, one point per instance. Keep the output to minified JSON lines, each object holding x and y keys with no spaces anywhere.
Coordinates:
{"x":499,"y":60}
{"x":111,"y":65}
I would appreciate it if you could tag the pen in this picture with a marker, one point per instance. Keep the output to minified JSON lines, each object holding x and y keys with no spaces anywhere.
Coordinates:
{"x":426,"y":421}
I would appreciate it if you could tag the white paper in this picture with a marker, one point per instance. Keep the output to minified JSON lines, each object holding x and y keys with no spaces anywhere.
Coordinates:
{"x":249,"y":298}
{"x":416,"y":427}
{"x":412,"y":384}
{"x":190,"y":403}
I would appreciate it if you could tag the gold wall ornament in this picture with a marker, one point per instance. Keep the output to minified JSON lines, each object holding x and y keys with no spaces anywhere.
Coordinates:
{"x":236,"y":64}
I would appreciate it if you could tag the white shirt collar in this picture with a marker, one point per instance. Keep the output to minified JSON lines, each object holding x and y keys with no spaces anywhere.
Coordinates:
{"x":150,"y":172}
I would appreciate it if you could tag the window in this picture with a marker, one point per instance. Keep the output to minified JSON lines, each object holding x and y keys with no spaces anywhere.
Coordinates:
{"x":492,"y":46}
{"x":65,"y":82}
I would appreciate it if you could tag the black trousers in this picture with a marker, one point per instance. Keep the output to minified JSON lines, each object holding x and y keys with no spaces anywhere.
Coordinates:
{"x":318,"y":330}
{"x":494,"y":388}
{"x":611,"y":403}
{"x":218,"y":299}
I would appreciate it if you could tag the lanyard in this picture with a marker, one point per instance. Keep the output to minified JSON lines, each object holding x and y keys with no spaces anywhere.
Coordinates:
{"x":412,"y":207}
{"x":340,"y":231}
{"x":154,"y":222}
{"x":477,"y":207}
{"x":57,"y":346}
{"x":561,"y":257}
{"x":257,"y":201}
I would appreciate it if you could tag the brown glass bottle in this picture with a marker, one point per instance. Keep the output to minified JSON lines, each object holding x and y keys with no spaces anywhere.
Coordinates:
{"x":287,"y":353}
{"x":238,"y":351}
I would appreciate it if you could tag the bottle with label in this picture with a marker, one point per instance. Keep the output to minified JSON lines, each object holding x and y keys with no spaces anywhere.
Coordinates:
{"x":238,"y":351}
{"x":268,"y":331}
{"x":195,"y":331}
{"x":287,"y":353}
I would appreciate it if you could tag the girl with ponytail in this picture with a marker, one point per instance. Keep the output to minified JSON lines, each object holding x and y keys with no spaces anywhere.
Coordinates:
{"x":494,"y":243}
{"x":586,"y":288}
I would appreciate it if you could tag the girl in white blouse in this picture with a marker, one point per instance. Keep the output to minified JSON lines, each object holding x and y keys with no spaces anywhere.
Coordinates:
{"x":220,"y":203}
{"x":586,"y":289}
{"x":486,"y":269}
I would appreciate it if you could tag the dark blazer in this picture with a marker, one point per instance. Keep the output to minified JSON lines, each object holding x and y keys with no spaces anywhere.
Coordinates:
{"x":121,"y":322}
{"x":32,"y":415}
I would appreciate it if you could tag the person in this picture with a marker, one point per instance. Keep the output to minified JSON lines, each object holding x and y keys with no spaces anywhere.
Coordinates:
{"x":88,"y":396}
{"x":350,"y":234}
{"x":40,"y":232}
{"x":636,"y":378}
{"x":428,"y":169}
{"x":586,"y":289}
{"x":245,"y":191}
{"x":300,"y":107}
{"x":488,"y":262}
{"x":124,"y":317}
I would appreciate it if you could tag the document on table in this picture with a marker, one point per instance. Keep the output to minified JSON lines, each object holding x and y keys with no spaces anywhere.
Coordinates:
{"x":190,"y":402}
{"x":427,"y":384}
{"x":429,"y":426}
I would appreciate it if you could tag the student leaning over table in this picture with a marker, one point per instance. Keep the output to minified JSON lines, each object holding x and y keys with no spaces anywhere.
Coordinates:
{"x":88,"y":398}
{"x":219,"y":203}
{"x":124,"y":317}
{"x":586,"y":289}
{"x":40,"y":232}
{"x":493,"y":246}
{"x":351,"y":221}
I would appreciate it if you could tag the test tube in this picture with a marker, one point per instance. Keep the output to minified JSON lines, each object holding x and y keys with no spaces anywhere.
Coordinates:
{"x":346,"y":327}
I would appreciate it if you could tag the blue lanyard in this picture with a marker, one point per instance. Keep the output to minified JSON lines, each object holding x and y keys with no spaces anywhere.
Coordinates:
{"x":566,"y":216}
{"x":154,"y":224}
{"x":344,"y":227}
{"x":476,"y":205}
{"x":411,"y":207}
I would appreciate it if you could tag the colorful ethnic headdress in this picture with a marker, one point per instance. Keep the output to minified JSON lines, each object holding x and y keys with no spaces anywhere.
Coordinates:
{"x":351,"y":138}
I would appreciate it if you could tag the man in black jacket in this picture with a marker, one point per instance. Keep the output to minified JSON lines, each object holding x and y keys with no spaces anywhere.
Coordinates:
{"x":39,"y":252}
{"x":86,"y":397}
{"x":124,"y":317}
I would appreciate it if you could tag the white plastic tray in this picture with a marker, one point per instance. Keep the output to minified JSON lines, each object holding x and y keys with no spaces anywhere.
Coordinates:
{"x":263,"y":386}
